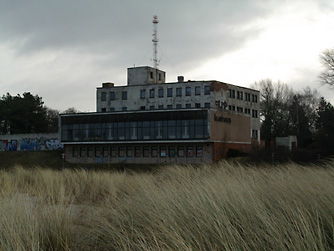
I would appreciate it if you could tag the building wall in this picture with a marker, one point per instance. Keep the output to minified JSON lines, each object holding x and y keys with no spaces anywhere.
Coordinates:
{"x":110,"y":153}
{"x":229,"y":127}
{"x":30,"y":142}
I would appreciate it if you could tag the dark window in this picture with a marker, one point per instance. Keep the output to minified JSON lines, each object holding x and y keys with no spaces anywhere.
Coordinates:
{"x":124,"y":108}
{"x":161,"y":107}
{"x":97,"y":151}
{"x":112,"y":96}
{"x":146,"y":151}
{"x":137,"y":151}
{"x":152,"y":107}
{"x":198,"y":105}
{"x":82,"y":151}
{"x":113,"y":152}
{"x":241,"y":95}
{"x":154,"y":151}
{"x":161,"y":93}
{"x":207,"y":90}
{"x":171,"y":151}
{"x":180,"y":151}
{"x":169,"y":92}
{"x":188,"y":91}
{"x":163,"y":151}
{"x":103,"y":96}
{"x":152,"y":93}
{"x":90,"y":152}
{"x":75,"y":151}
{"x":142,"y":94}
{"x":199,"y":151}
{"x":124,"y":95}
{"x":197,"y":90}
{"x":178,"y":106}
{"x":188,"y":105}
{"x":129,"y":151}
{"x":207,"y":105}
{"x":179,"y":92}
{"x":105,"y":152}
{"x":169,"y":106}
{"x":151,"y":75}
{"x":121,"y":152}
{"x":103,"y":109}
{"x":159,"y":76}
{"x":112,"y":109}
{"x":142,"y":108}
{"x":190,"y":151}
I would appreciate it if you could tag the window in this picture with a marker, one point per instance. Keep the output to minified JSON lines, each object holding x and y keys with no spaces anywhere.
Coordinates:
{"x":178,"y":106}
{"x":159,"y":76}
{"x":161,"y":93}
{"x":105,"y":152}
{"x":254,"y":98}
{"x":152,"y":93}
{"x":207,"y":105}
{"x":254,"y":113}
{"x":188,"y":91}
{"x":180,"y":151}
{"x":163,"y":151}
{"x":97,"y":151}
{"x":171,"y":151}
{"x":188,"y":105}
{"x":190,"y":151}
{"x":142,"y":94}
{"x":238,"y":95}
{"x":124,"y":108}
{"x":254,"y":134}
{"x":199,"y":151}
{"x":241,"y":95}
{"x":197,"y":90}
{"x":207,"y":90}
{"x":137,"y":151}
{"x":112,"y":96}
{"x":75,"y":151}
{"x":129,"y":151}
{"x":198,"y":105}
{"x":169,"y":106}
{"x":121,"y":152}
{"x":82,"y":151}
{"x":231,"y":93}
{"x":103,"y":109}
{"x":90,"y":152}
{"x":113,"y":152}
{"x":152,"y":107}
{"x":151,"y":75}
{"x":146,"y":151}
{"x":154,"y":151}
{"x":169,"y":92}
{"x":142,"y":108}
{"x":103,"y":96}
{"x":179,"y":92}
{"x":161,"y":107}
{"x":124,"y":95}
{"x":112,"y":109}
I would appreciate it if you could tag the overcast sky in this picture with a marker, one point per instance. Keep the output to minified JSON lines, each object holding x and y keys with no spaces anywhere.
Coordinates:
{"x":62,"y":50}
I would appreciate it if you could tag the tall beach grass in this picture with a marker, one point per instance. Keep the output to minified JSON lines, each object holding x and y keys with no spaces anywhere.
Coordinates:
{"x":224,"y":206}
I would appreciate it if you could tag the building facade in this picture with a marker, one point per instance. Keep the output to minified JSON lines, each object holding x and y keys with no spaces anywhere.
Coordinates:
{"x":151,"y":121}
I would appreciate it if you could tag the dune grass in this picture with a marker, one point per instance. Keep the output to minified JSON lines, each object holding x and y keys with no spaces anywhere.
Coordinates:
{"x":224,"y":206}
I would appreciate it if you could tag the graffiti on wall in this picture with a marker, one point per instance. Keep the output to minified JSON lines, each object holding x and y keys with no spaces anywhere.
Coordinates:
{"x":12,"y":145}
{"x":31,"y":144}
{"x":53,"y":144}
{"x":3,"y":145}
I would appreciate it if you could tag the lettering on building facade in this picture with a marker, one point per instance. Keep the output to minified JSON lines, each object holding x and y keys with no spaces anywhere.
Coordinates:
{"x":222,"y":119}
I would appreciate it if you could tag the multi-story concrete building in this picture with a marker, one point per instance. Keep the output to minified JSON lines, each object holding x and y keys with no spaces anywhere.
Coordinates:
{"x":151,"y":121}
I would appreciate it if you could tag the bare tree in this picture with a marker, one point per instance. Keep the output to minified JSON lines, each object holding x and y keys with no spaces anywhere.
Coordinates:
{"x":327,"y":60}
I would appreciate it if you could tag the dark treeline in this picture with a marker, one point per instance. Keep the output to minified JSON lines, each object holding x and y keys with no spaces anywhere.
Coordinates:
{"x":305,"y":114}
{"x":27,"y":114}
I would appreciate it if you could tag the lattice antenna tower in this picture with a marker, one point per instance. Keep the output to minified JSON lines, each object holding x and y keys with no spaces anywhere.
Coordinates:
{"x":155,"y":41}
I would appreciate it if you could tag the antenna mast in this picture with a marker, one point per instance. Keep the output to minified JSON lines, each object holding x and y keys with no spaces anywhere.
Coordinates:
{"x":155,"y":41}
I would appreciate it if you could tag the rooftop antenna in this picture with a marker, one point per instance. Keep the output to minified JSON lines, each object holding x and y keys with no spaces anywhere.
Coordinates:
{"x":155,"y":41}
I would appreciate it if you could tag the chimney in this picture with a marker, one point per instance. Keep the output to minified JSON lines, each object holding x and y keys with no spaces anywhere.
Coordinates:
{"x":107,"y":85}
{"x":180,"y":79}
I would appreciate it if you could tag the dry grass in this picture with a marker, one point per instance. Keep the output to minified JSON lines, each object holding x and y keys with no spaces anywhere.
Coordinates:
{"x":213,"y":207}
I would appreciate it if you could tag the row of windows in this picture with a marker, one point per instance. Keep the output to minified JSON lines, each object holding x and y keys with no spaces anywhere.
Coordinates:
{"x":242,"y":110}
{"x":145,"y":130}
{"x":160,"y":107}
{"x":178,"y":91}
{"x":240,"y":95}
{"x":138,"y":151}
